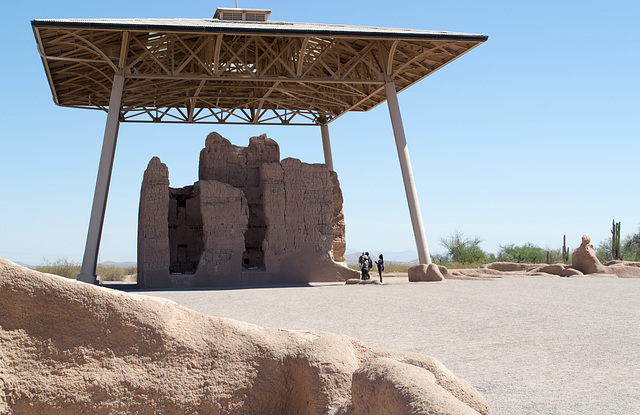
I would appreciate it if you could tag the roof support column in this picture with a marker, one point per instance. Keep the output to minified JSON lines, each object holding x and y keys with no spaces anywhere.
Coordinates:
{"x":92,"y":247}
{"x":407,"y":173}
{"x":326,"y":146}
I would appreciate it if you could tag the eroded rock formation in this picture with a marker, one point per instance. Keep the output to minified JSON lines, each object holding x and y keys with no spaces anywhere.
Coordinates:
{"x":250,"y":219}
{"x":584,"y":258}
{"x":74,"y":348}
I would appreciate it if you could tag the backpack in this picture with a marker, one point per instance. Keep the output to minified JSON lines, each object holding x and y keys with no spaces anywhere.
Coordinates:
{"x":370,"y":262}
{"x":364,"y":264}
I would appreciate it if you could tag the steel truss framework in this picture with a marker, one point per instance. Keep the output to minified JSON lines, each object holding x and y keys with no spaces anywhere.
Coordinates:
{"x":234,"y":73}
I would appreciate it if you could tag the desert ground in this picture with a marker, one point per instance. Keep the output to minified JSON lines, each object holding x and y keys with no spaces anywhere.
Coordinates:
{"x":529,"y":345}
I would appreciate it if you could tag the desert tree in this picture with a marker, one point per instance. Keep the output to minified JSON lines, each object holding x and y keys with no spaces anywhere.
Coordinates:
{"x":463,"y":250}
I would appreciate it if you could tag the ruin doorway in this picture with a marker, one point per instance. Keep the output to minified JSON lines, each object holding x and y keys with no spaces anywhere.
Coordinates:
{"x":185,"y":230}
{"x":253,"y":256}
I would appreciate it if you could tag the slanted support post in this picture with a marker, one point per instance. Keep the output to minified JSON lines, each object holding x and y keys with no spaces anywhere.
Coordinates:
{"x":407,"y":173}
{"x":90,"y":259}
{"x":326,"y":146}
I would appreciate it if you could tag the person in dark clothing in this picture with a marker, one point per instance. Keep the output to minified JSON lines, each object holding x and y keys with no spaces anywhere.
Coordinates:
{"x":380,"y":265}
{"x":364,"y":266}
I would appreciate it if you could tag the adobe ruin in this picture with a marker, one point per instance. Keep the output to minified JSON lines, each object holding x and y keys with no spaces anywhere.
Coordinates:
{"x":250,"y":219}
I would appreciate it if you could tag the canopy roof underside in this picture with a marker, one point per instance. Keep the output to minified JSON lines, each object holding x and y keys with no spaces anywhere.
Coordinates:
{"x":212,"y":71}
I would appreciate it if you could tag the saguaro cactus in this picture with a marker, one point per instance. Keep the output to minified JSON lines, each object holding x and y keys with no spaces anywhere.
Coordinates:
{"x":565,"y":250}
{"x":615,"y":241}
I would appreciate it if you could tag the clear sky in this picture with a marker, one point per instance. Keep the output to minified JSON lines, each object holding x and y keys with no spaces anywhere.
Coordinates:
{"x":531,"y":136}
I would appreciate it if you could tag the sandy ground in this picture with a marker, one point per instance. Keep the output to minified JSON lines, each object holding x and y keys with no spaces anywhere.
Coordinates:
{"x":529,"y":345}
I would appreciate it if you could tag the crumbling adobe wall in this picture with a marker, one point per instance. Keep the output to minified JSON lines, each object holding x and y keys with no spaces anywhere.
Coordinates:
{"x":225,"y":218}
{"x":240,"y":167}
{"x":235,"y":165}
{"x":153,"y":232}
{"x":299,"y":206}
{"x":339,"y":246}
{"x":250,"y":219}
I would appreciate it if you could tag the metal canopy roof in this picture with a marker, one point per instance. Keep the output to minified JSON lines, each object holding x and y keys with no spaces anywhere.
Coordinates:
{"x":236,"y":72}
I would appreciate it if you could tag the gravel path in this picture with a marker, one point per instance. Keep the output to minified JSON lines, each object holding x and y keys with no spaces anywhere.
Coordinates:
{"x":529,"y":345}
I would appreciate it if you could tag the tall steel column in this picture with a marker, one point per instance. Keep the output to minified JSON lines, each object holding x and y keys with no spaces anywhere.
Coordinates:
{"x":326,"y":146}
{"x":90,"y":259}
{"x":407,"y":173}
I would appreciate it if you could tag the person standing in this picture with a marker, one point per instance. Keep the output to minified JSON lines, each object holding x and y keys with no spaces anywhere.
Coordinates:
{"x":360,"y":262}
{"x":364,"y":266}
{"x":380,"y":265}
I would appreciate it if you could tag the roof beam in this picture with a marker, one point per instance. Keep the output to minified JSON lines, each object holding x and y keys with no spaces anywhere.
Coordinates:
{"x":241,"y":78}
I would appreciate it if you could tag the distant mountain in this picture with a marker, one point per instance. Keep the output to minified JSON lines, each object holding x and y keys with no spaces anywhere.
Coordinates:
{"x":119,"y":264}
{"x":125,"y":264}
{"x":405,"y":257}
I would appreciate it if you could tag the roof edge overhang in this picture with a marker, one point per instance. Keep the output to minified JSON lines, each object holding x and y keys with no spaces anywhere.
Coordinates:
{"x":215,"y":26}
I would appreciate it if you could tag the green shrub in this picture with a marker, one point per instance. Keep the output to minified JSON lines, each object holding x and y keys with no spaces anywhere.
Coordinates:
{"x":114,"y":273}
{"x":62,"y":267}
{"x":527,"y":253}
{"x":70,"y":269}
{"x":461,"y":250}
{"x":603,"y":251}
{"x":631,"y":247}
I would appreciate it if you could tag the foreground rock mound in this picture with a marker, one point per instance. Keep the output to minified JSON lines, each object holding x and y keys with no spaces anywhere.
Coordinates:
{"x":69,"y":347}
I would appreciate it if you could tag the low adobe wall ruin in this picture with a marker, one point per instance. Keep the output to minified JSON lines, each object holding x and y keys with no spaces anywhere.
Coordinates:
{"x":249,"y":219}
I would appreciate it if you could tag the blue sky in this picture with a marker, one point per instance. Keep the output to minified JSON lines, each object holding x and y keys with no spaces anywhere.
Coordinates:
{"x":531,"y":136}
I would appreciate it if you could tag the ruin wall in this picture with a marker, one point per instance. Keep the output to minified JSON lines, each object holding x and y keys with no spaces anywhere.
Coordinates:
{"x":250,"y":219}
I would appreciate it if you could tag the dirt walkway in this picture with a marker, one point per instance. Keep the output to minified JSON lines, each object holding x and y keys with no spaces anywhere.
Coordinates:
{"x":530,"y":346}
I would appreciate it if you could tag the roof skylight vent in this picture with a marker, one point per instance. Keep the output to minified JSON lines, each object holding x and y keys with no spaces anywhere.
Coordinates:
{"x":248,"y":15}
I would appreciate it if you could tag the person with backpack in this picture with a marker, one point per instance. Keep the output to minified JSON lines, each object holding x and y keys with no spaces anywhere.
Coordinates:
{"x":380,"y":265}
{"x":364,"y":261}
